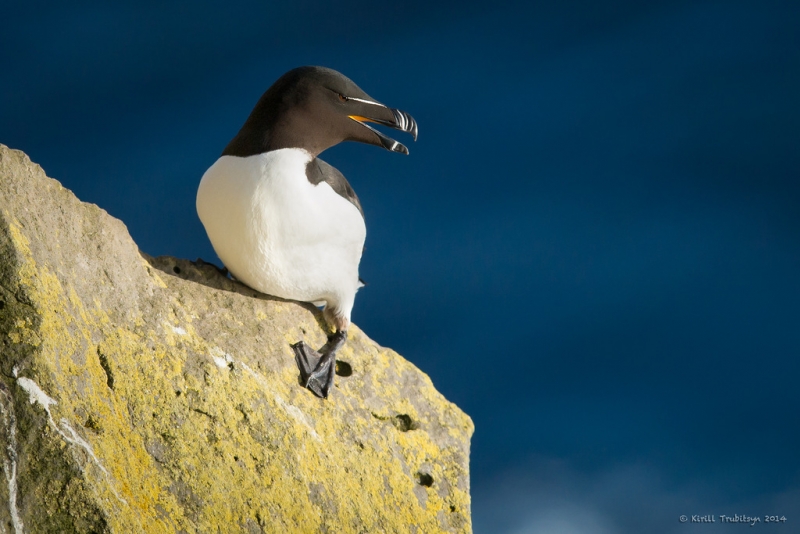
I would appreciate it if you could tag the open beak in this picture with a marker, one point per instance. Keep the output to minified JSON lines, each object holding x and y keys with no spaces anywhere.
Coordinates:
{"x":393,"y":118}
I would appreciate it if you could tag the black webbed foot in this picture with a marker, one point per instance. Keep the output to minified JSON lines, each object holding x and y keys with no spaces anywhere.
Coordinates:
{"x":317,"y":368}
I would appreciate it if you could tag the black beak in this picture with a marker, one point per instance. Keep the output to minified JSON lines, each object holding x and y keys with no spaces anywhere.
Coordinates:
{"x":393,"y":118}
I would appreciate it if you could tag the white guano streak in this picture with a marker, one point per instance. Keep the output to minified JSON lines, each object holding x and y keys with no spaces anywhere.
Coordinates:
{"x":10,"y":461}
{"x":37,"y":396}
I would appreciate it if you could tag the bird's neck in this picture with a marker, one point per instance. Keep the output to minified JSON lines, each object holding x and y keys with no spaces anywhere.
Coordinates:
{"x":258,"y":136}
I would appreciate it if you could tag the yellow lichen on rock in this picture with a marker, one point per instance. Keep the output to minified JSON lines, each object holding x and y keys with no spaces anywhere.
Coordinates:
{"x":155,"y":395}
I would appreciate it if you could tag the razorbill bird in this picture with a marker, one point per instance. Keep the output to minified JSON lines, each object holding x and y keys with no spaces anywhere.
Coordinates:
{"x":283,"y":221}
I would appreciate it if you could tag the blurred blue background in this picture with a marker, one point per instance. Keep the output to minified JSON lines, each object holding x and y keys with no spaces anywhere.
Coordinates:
{"x":593,"y":248}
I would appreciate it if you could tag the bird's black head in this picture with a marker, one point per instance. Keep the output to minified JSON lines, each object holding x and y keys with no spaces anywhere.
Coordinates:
{"x":315,"y":108}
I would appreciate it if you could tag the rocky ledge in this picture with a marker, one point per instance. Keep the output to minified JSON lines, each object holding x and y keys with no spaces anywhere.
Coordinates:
{"x":143,"y":394}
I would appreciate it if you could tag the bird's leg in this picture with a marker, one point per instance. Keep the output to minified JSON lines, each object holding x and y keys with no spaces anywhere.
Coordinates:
{"x":318,"y":367}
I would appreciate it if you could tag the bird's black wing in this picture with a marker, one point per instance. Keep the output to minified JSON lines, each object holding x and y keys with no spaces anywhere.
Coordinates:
{"x":318,"y":171}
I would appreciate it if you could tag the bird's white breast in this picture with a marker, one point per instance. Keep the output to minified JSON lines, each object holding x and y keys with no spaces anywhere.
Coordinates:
{"x":277,"y":232}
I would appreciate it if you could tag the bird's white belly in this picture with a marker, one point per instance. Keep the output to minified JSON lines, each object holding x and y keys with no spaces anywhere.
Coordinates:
{"x":277,"y":232}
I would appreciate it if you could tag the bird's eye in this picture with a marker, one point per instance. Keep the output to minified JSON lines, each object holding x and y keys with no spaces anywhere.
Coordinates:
{"x":342,"y":97}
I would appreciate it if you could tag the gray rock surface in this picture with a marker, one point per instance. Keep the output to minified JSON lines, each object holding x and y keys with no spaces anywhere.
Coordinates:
{"x":143,"y":394}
